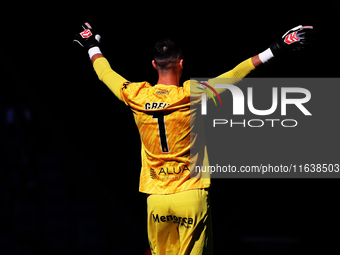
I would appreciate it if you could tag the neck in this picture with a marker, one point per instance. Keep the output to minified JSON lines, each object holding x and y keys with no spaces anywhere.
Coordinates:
{"x":169,"y":79}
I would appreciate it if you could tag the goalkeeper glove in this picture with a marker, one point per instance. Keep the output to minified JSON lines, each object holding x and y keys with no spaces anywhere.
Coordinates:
{"x":297,"y":38}
{"x":88,"y":40}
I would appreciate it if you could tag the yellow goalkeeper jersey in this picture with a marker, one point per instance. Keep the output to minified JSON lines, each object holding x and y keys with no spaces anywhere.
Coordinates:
{"x":166,"y":124}
{"x":162,"y":115}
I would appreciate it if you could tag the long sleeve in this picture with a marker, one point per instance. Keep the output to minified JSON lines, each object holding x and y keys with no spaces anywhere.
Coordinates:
{"x":111,"y":79}
{"x":233,"y":76}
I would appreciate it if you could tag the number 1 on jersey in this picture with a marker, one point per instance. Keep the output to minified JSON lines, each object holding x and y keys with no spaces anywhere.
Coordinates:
{"x":161,"y":129}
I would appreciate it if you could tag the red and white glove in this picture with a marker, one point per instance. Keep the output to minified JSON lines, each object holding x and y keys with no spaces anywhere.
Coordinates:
{"x":88,"y":40}
{"x":297,"y":38}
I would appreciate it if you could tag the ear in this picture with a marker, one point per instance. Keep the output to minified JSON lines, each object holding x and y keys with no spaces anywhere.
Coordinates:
{"x":181,"y":63}
{"x":154,"y":64}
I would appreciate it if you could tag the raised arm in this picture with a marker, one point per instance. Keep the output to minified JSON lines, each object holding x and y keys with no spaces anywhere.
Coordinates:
{"x":105,"y":73}
{"x":297,"y":38}
{"x":90,"y":42}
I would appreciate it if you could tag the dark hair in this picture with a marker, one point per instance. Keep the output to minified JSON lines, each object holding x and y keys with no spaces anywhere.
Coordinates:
{"x":166,"y":53}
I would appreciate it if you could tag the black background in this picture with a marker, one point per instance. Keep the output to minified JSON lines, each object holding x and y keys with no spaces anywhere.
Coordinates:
{"x":56,"y":76}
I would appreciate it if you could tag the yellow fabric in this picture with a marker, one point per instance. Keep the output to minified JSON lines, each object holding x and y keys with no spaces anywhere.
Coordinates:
{"x":113,"y":80}
{"x":233,"y":76}
{"x":198,"y":149}
{"x":162,"y":115}
{"x":171,"y":131}
{"x":180,"y":223}
{"x":240,"y":71}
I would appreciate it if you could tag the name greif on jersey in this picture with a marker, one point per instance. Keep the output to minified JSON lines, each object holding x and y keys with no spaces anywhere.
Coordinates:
{"x":155,"y":105}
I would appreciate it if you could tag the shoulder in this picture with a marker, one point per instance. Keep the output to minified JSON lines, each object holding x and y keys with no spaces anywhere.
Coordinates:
{"x":129,"y":84}
{"x":193,"y":86}
{"x":133,"y":89}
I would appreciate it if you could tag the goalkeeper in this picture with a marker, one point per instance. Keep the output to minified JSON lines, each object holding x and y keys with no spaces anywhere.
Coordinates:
{"x":178,"y":207}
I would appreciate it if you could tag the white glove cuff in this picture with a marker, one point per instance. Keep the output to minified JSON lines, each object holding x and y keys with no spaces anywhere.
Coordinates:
{"x":266,"y":55}
{"x":93,"y":51}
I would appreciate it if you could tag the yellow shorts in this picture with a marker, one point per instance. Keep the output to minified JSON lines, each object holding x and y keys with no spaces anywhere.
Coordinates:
{"x":180,"y":223}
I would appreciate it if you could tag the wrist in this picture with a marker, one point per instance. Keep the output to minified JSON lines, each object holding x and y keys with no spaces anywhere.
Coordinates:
{"x":93,"y":51}
{"x":266,"y":55}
